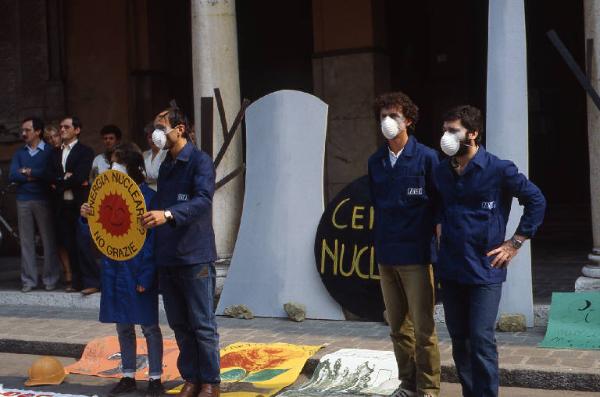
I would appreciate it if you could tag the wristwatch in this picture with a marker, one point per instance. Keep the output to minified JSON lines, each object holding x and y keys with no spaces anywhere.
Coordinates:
{"x":169,"y":217}
{"x":516,"y":243}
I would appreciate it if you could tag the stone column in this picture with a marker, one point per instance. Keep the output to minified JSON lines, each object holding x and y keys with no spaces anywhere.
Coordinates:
{"x":591,"y":273}
{"x":349,"y":69}
{"x":215,"y":65}
{"x":507,"y":130}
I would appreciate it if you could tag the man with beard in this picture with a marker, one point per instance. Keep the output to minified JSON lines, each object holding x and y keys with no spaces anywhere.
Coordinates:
{"x":185,"y":251}
{"x":477,"y":191}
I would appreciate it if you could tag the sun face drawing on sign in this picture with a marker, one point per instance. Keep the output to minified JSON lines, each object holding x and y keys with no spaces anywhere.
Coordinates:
{"x":117,"y":203}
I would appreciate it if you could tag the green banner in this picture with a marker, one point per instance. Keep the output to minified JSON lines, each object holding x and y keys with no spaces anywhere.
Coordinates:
{"x":574,"y":321}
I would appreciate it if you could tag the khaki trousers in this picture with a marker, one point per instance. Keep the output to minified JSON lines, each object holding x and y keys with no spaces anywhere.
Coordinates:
{"x":409,"y":296}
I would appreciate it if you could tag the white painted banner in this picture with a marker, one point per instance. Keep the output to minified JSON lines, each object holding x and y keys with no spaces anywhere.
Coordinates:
{"x":351,"y":372}
{"x":33,"y":393}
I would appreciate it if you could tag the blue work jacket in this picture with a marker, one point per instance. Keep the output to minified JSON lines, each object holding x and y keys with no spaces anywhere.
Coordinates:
{"x":120,"y":302}
{"x":403,"y":198}
{"x":185,"y":187}
{"x":474,"y":212}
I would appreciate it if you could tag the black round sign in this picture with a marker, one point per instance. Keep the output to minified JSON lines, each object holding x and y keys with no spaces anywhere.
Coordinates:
{"x":345,"y":255}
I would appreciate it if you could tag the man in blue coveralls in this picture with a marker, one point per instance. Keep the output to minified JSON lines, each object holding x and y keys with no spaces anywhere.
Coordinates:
{"x":185,"y":252}
{"x":477,"y":190}
{"x":403,"y":196}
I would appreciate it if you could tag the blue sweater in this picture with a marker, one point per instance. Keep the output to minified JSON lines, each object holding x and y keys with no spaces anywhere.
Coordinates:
{"x":36,"y":189}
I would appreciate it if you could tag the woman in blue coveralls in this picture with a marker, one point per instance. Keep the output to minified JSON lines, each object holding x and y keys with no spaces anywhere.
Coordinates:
{"x":130,"y":290}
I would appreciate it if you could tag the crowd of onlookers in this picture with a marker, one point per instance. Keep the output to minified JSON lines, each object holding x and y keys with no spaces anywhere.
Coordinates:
{"x":52,"y":173}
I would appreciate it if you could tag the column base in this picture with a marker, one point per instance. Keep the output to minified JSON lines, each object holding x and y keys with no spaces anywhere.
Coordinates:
{"x":583,"y":284}
{"x":592,"y":271}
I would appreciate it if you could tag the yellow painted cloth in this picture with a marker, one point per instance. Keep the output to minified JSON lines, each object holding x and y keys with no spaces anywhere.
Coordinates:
{"x":260,"y":369}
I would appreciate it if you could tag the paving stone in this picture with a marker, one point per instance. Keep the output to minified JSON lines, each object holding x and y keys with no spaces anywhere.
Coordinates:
{"x":533,"y":352}
{"x":513,"y":359}
{"x":577,"y":363}
{"x":574,"y":354}
{"x":542,"y":361}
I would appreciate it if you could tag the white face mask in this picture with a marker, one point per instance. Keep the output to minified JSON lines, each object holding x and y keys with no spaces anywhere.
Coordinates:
{"x":118,"y":167}
{"x":391,"y":127}
{"x":159,"y":138}
{"x":450,"y":143}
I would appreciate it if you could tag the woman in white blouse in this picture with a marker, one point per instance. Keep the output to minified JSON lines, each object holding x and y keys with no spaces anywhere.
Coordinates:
{"x":153,"y":158}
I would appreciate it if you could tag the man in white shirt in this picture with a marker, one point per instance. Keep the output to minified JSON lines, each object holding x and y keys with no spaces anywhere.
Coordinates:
{"x":68,"y":172}
{"x":153,"y":158}
{"x":111,"y":137}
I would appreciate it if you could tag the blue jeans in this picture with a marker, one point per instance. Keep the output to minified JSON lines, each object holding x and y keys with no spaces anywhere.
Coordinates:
{"x":188,"y":295}
{"x":128,"y":345}
{"x":471,"y":312}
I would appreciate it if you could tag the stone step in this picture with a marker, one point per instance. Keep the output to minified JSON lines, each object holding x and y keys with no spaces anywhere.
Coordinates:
{"x":59,"y":299}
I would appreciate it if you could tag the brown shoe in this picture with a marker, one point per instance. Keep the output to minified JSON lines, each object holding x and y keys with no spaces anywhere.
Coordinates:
{"x":209,"y":390}
{"x":89,"y":291}
{"x":189,"y":389}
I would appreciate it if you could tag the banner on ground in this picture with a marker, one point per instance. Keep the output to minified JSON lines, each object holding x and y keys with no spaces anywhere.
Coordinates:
{"x":102,"y":358}
{"x":260,"y":369}
{"x":117,"y":204}
{"x":574,"y":321}
{"x":33,"y":393}
{"x":351,"y":372}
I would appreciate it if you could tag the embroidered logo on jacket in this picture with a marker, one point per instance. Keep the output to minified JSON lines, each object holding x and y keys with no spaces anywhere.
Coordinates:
{"x":182,"y":197}
{"x":488,"y":205}
{"x":414,"y":191}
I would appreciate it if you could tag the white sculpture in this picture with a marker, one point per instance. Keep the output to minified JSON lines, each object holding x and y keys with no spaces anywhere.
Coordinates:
{"x":273,"y":260}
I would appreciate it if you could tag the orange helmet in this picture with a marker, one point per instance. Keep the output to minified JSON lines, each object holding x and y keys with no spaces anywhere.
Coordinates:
{"x":46,"y":371}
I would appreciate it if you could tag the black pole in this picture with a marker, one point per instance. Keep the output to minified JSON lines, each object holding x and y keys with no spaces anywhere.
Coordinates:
{"x":572,"y":64}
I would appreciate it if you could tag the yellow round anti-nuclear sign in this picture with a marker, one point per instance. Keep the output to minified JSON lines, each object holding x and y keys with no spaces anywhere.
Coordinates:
{"x":117,"y":205}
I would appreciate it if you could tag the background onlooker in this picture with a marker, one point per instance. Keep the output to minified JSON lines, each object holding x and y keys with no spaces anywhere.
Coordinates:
{"x":53,"y":139}
{"x":52,"y":136}
{"x":111,"y":137}
{"x":153,"y":158}
{"x":27,"y":170}
{"x":68,"y":173}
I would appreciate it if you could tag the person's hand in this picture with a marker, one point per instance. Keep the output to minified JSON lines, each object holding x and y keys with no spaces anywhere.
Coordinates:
{"x":504,"y":255}
{"x":68,"y":175}
{"x":153,"y":219}
{"x":438,"y":234}
{"x":86,"y":210}
{"x":140,"y":289}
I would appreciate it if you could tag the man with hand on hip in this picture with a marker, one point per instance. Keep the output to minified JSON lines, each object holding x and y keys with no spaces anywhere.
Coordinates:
{"x":477,"y":190}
